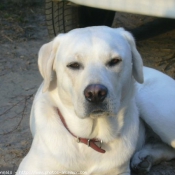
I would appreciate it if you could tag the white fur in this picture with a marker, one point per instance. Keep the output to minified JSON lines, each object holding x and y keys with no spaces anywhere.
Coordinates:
{"x":53,"y":147}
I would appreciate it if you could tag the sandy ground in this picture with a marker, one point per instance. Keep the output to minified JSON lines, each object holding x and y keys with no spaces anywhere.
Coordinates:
{"x":22,"y":32}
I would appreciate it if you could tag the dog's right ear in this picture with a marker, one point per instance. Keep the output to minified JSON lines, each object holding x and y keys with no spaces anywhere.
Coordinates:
{"x":46,"y":59}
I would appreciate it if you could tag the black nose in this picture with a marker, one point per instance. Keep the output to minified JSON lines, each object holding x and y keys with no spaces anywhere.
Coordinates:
{"x":95,"y":93}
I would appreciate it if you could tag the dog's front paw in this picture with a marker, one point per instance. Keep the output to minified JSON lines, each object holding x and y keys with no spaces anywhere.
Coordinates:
{"x":141,"y":161}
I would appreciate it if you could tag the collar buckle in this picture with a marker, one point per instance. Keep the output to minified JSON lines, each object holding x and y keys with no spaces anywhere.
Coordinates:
{"x":78,"y":140}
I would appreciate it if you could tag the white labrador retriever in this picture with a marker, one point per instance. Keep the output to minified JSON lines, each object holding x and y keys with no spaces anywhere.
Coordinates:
{"x":90,"y":115}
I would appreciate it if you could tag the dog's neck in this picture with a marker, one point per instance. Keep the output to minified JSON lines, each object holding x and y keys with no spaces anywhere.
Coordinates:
{"x":90,"y":142}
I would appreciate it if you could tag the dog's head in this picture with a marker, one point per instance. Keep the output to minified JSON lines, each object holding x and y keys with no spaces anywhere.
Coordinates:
{"x":94,"y":68}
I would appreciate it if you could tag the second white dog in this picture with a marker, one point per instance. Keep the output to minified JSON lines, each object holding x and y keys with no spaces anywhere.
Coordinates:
{"x":85,"y":116}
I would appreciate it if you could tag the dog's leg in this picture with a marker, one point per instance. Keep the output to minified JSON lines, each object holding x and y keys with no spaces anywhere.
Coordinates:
{"x":151,"y":154}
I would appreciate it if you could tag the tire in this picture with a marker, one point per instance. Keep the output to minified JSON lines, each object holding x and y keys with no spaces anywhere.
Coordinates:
{"x":62,"y":17}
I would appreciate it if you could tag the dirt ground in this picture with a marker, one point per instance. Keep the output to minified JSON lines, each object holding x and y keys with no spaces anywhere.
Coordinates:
{"x":22,"y":32}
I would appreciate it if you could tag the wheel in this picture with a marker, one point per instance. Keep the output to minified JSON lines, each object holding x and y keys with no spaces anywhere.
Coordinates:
{"x":60,"y":17}
{"x":63,"y":16}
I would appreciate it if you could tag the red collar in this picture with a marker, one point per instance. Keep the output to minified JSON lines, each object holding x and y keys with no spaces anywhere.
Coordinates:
{"x":89,"y":142}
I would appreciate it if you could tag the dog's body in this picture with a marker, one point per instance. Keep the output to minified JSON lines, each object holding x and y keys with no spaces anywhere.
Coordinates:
{"x":89,"y":76}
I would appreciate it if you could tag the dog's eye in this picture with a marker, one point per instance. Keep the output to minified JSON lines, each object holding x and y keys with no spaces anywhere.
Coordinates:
{"x":113,"y":62}
{"x":74,"y":65}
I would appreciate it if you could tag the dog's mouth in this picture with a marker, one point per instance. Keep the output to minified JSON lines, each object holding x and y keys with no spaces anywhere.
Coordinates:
{"x":95,"y":111}
{"x":98,"y":111}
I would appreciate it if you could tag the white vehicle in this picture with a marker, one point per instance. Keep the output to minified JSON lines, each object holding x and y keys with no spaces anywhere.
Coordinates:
{"x":63,"y":15}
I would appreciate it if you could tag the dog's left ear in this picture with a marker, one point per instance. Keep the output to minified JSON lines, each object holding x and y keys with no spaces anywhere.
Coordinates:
{"x":46,"y":59}
{"x":136,"y":58}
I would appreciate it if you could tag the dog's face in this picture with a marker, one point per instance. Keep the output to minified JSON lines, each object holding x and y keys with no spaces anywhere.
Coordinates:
{"x":93,"y":66}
